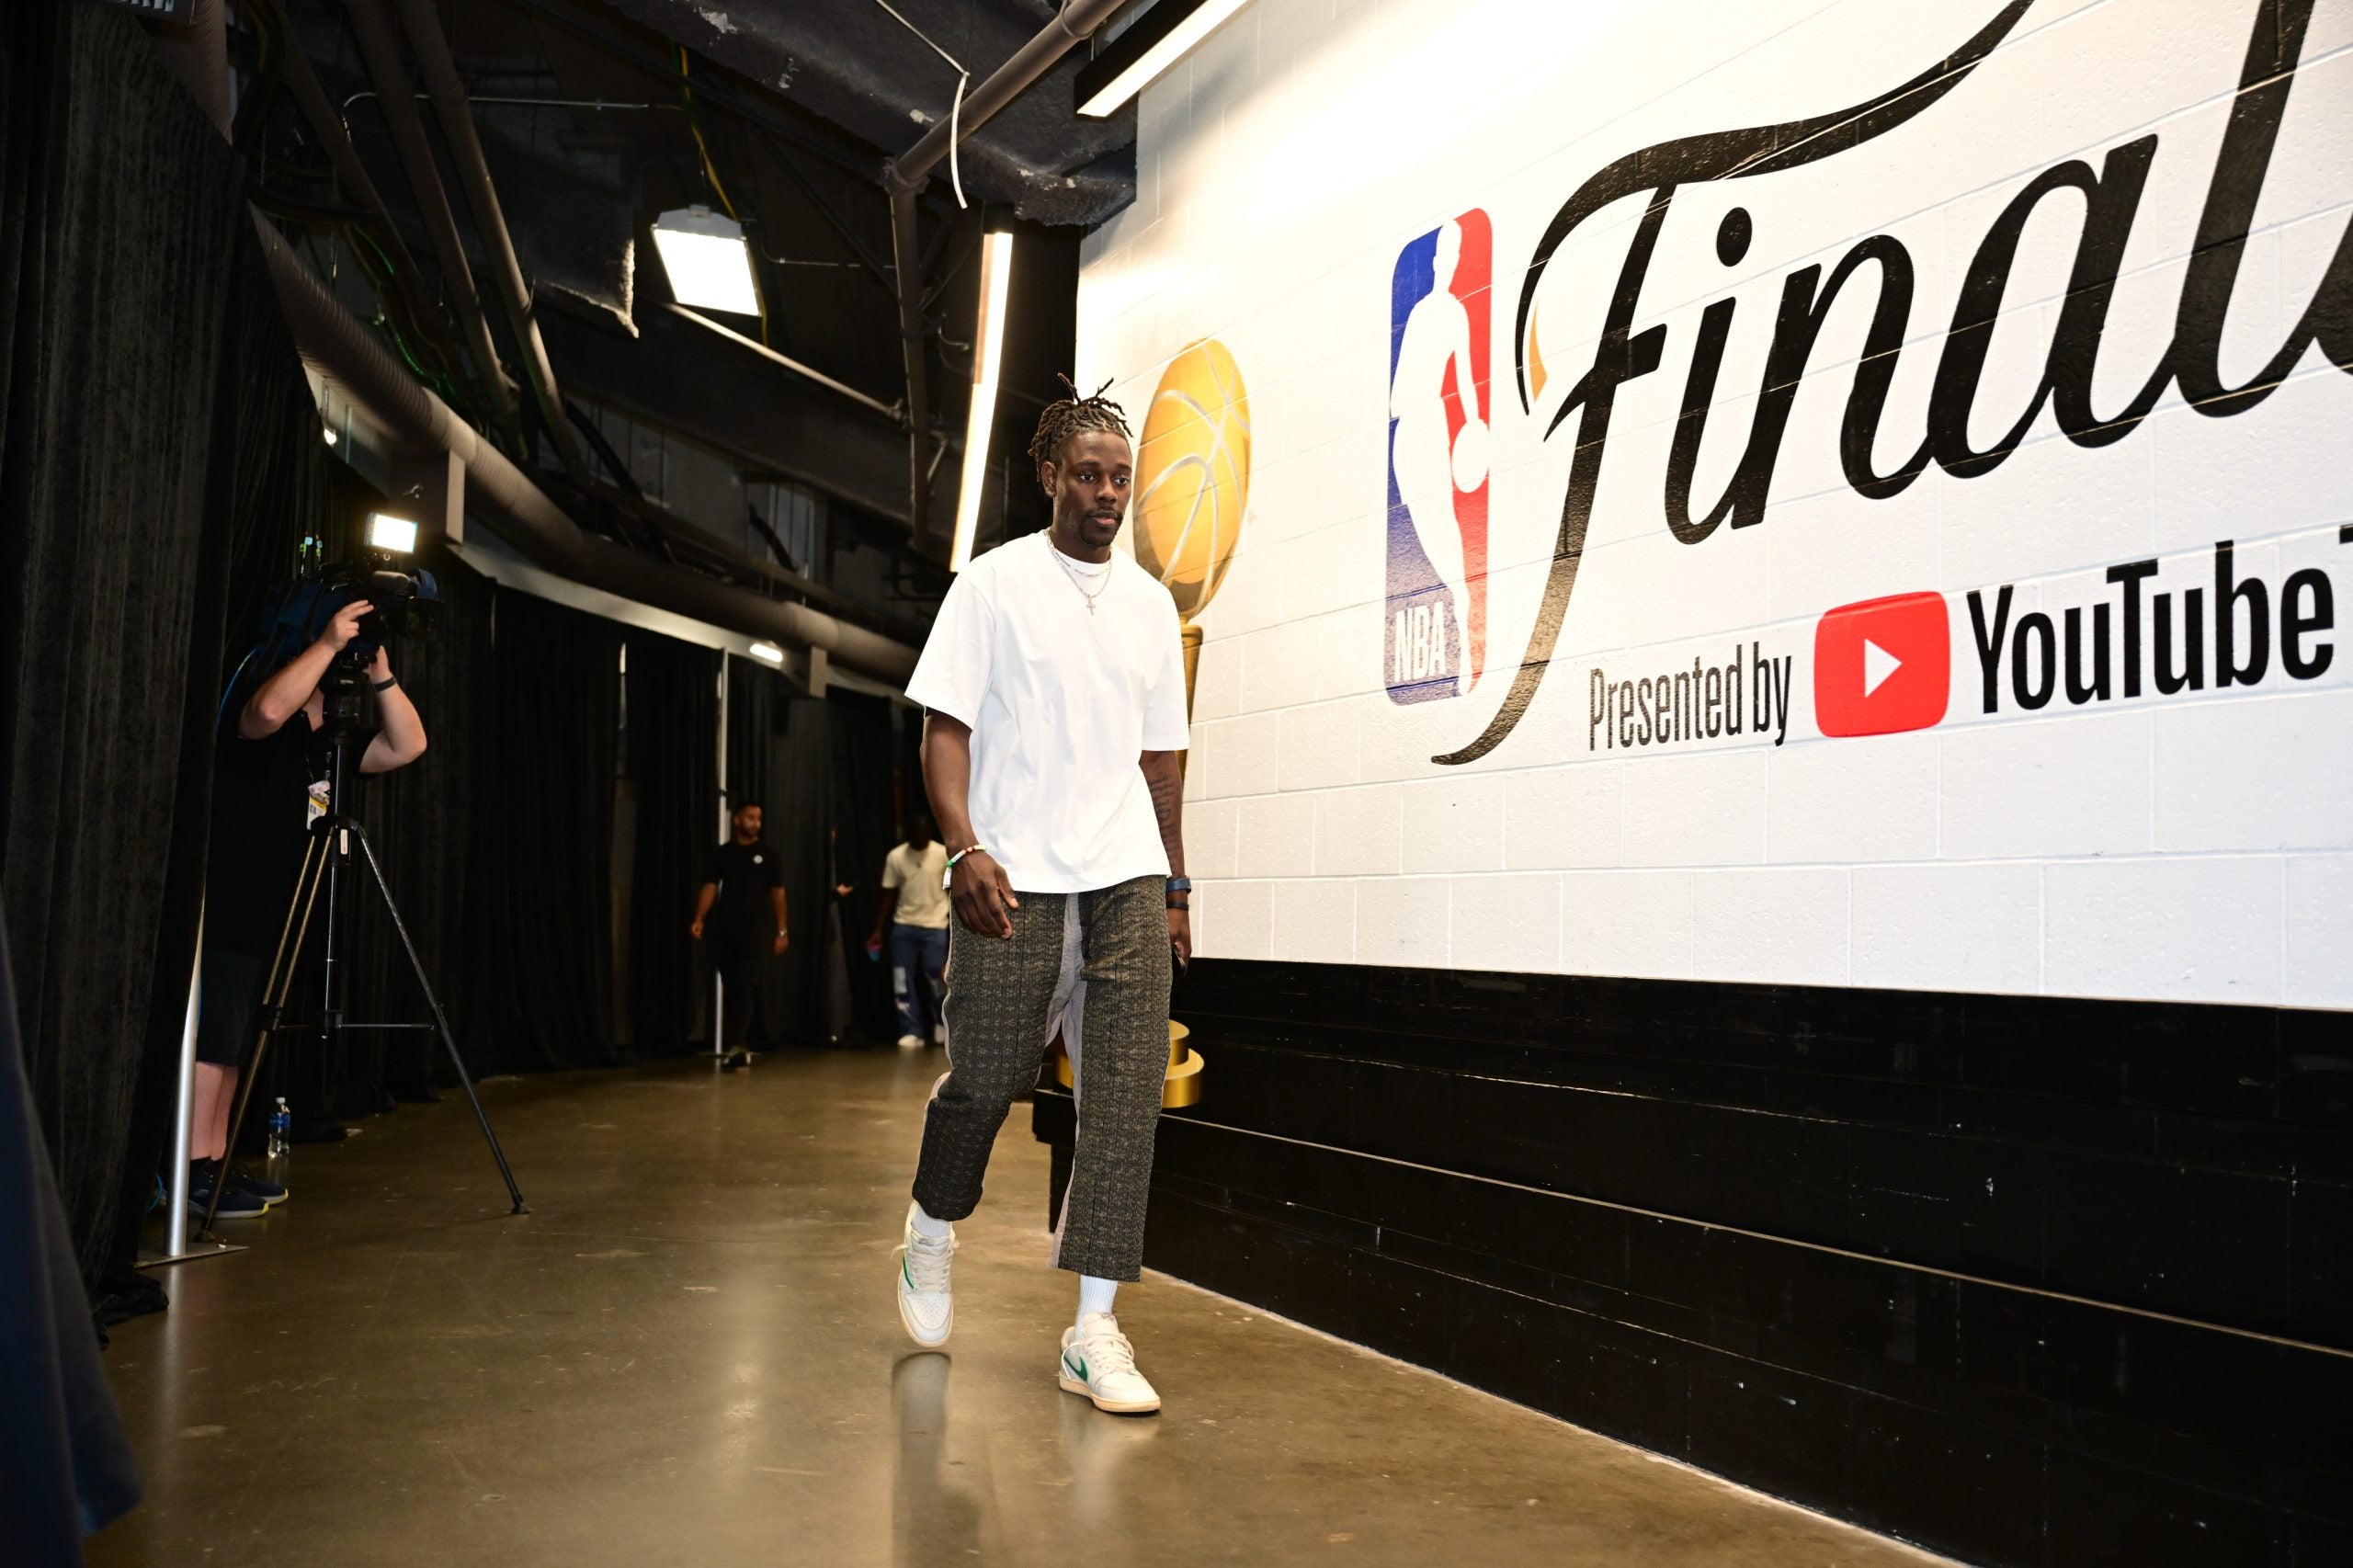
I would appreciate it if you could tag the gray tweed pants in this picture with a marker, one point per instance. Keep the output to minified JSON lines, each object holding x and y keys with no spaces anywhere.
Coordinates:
{"x":1095,"y":966}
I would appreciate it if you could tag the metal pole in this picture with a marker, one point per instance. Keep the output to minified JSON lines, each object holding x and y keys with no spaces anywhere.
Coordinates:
{"x":176,"y":1237}
{"x":726,"y":830}
{"x":176,"y":1227}
{"x":914,"y":350}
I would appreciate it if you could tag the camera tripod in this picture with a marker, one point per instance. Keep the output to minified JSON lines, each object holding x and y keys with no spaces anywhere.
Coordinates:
{"x":327,"y":866}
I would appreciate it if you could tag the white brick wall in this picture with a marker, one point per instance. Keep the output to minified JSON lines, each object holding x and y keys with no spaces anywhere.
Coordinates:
{"x":2195,"y":845}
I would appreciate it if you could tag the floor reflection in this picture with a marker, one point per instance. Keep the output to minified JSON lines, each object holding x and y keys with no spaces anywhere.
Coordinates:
{"x":1098,"y":1448}
{"x":936,"y":1516}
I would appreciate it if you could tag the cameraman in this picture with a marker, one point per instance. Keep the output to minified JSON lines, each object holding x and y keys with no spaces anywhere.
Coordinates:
{"x":263,"y":766}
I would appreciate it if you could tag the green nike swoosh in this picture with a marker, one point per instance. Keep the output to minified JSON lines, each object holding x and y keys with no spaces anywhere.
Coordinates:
{"x":905,"y":1274}
{"x":1078,"y":1371}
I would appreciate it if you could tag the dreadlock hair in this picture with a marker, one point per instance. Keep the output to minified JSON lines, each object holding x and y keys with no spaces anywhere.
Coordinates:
{"x":1073,"y":414}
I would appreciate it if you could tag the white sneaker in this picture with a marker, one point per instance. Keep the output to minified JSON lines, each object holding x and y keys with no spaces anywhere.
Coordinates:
{"x":911,"y":1042}
{"x":925,"y":1305}
{"x":1098,"y":1361}
{"x":940,"y":1034}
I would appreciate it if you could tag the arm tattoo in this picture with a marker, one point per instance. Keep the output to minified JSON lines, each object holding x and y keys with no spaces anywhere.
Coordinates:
{"x":1167,"y":804}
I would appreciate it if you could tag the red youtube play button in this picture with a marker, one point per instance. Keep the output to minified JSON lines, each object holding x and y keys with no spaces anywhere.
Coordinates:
{"x":1882,"y":665}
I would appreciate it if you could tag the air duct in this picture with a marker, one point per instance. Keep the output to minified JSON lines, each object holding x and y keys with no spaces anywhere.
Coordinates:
{"x":336,"y":345}
{"x":197,"y":52}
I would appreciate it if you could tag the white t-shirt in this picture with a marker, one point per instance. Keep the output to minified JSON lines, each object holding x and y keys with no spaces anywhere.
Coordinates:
{"x":1060,"y":700}
{"x":923,"y":901}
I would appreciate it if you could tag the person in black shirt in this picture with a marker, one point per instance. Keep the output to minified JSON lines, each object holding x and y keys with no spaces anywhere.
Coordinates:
{"x":264,"y":762}
{"x":742,"y":905}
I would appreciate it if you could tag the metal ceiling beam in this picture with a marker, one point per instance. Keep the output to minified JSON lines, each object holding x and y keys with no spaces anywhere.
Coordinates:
{"x":396,"y":97}
{"x":334,"y":343}
{"x":904,"y":177}
{"x":294,"y":72}
{"x":449,"y":107}
{"x":806,"y":372}
{"x":677,"y":376}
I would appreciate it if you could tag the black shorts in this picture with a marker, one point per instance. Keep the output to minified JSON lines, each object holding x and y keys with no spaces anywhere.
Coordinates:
{"x":231,"y":997}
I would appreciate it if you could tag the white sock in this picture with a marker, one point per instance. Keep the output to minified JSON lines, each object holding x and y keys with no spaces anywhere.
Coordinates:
{"x":1095,"y":1296}
{"x":931,"y":1230}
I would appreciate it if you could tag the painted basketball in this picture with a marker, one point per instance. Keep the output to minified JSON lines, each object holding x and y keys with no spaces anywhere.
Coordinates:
{"x":1193,"y":474}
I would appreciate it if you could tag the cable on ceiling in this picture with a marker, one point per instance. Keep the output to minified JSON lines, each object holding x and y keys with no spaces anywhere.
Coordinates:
{"x":719,"y":188}
{"x":955,"y":106}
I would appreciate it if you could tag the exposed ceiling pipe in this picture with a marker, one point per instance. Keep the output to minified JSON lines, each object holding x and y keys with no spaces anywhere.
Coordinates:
{"x":474,"y":172}
{"x":914,"y":347}
{"x":396,"y":96}
{"x":197,"y":52}
{"x":334,"y":344}
{"x":294,"y":71}
{"x":904,"y":177}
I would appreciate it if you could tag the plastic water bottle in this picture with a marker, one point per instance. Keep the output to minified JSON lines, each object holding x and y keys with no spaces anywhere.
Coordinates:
{"x":281,"y":1132}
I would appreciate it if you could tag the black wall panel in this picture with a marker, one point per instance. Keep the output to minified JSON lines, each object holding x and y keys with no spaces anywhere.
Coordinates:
{"x":2031,"y":1281}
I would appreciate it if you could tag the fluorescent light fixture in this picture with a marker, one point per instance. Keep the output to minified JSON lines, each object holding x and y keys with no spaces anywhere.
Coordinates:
{"x":767,"y":653}
{"x":988,"y":358}
{"x":388,"y":532}
{"x":1153,"y":43}
{"x":706,"y":261}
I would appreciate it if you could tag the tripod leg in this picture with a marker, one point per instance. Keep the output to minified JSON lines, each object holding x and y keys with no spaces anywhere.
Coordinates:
{"x":440,"y":1021}
{"x":274,"y":990}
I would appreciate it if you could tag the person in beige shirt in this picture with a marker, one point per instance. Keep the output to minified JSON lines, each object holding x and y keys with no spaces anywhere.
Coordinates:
{"x":915,"y":913}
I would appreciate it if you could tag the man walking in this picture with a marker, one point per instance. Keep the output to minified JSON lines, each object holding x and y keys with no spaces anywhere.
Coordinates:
{"x":1055,"y":689}
{"x":742,"y":904}
{"x":913,"y":911}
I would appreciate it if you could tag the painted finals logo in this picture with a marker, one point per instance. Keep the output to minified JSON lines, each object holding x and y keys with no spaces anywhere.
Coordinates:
{"x":1440,"y":302}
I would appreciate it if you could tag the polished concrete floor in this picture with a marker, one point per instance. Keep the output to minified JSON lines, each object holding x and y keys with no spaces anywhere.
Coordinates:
{"x":688,"y":1354}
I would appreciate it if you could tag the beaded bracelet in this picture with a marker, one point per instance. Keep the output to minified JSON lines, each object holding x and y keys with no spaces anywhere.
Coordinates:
{"x":947,"y":878}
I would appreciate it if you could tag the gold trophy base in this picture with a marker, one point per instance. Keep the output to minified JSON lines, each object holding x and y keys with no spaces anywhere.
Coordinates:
{"x":1183,"y":1087}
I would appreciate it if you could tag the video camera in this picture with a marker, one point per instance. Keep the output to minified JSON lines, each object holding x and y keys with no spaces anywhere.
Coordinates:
{"x":406,"y":600}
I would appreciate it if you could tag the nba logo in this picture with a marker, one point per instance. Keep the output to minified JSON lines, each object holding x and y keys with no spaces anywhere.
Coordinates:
{"x":1439,"y":304}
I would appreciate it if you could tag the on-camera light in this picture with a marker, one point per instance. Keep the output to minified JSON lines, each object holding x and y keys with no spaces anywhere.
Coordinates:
{"x":388,"y":532}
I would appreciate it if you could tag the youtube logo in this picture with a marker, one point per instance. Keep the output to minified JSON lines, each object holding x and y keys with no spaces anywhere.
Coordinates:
{"x":1882,"y":665}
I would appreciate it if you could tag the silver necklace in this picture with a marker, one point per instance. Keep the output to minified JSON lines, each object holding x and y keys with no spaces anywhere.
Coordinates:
{"x":1077,"y":579}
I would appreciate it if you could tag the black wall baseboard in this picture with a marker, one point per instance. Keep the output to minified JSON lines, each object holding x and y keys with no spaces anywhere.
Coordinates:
{"x":2029,"y":1281}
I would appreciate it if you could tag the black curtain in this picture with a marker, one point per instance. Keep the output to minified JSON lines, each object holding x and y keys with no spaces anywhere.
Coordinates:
{"x":541,"y":898}
{"x":421,"y":821}
{"x":760,"y":767}
{"x":139,"y":353}
{"x":865,"y":794}
{"x":673,"y":765}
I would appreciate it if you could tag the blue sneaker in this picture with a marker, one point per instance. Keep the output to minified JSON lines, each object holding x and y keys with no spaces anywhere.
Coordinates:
{"x":245,"y":1181}
{"x":236,"y":1204}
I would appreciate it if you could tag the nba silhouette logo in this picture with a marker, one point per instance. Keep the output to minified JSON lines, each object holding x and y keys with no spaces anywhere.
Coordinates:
{"x":1439,"y":301}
